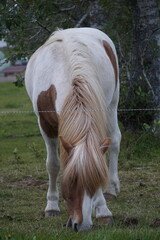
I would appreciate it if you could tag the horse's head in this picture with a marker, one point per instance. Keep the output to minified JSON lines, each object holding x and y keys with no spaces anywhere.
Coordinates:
{"x":81,"y":180}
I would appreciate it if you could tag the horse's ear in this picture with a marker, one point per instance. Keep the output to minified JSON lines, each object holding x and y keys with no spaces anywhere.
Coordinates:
{"x":104,"y":146}
{"x":67,"y":146}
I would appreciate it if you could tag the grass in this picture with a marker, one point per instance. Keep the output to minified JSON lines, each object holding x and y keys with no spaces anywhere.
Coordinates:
{"x":23,"y":182}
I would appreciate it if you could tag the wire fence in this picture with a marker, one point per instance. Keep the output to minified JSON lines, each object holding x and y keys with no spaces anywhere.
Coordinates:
{"x":19,"y":120}
{"x":89,"y":110}
{"x":120,"y":110}
{"x":19,"y":130}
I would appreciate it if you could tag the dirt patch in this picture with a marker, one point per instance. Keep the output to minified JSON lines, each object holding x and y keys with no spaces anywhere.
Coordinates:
{"x":32,"y":182}
{"x":155,"y":223}
{"x":127,"y":220}
{"x":25,"y":182}
{"x":142,"y":184}
{"x":10,"y":218}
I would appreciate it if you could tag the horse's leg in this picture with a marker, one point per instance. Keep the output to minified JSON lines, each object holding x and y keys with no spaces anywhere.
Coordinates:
{"x":100,"y":208}
{"x":114,"y":132}
{"x":52,"y":165}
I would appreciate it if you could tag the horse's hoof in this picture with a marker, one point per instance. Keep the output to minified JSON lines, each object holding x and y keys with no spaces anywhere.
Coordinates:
{"x":109,"y":196}
{"x":106,"y":220}
{"x":52,"y":213}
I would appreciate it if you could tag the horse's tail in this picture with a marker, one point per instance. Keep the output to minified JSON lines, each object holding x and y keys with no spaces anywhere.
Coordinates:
{"x":87,"y":167}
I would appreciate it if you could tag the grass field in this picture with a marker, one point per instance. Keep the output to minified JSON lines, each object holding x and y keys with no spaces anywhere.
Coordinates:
{"x":23,"y":182}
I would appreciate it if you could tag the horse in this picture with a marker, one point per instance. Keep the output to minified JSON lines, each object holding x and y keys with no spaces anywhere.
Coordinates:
{"x":73,"y":83}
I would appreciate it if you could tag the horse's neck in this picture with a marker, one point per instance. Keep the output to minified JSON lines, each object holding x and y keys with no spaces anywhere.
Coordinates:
{"x":81,"y":111}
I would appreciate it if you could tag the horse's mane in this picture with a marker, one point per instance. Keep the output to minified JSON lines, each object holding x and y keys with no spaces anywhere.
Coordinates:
{"x":83,"y":123}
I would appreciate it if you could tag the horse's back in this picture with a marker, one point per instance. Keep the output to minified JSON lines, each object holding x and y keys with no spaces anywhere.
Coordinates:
{"x":51,"y":65}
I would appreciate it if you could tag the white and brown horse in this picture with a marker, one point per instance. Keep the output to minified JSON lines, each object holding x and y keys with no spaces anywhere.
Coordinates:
{"x":73,"y":83}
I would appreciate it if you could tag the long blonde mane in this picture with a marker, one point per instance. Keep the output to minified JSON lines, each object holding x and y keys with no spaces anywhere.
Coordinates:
{"x":83,"y":123}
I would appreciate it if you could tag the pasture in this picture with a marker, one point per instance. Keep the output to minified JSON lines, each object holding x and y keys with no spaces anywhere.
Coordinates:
{"x":24,"y":181}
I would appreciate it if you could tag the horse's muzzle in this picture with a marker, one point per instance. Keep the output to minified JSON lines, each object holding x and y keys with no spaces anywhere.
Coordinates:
{"x":76,"y":226}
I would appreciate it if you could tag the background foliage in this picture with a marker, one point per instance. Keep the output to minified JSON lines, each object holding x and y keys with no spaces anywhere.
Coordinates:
{"x":25,"y":25}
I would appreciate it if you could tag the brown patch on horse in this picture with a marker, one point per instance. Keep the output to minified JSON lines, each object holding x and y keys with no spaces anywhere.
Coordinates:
{"x":104,"y":146}
{"x":74,"y":198}
{"x":112,"y":58}
{"x":47,"y":111}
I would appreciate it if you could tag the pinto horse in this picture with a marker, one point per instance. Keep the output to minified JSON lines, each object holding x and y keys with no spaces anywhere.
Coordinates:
{"x":72,"y":81}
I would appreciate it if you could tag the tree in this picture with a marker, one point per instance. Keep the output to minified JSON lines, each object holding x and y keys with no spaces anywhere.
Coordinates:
{"x":25,"y":25}
{"x":145,"y":73}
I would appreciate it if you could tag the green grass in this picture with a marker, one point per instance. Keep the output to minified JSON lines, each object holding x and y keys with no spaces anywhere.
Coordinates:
{"x":23,"y":181}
